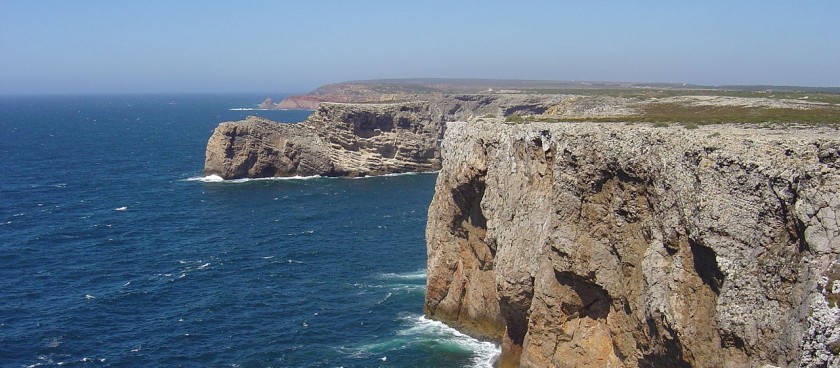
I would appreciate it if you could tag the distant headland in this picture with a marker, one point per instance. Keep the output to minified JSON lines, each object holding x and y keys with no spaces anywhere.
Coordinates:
{"x":397,"y":90}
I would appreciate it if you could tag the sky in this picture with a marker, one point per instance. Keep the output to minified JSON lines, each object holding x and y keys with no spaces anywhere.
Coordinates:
{"x":156,"y":46}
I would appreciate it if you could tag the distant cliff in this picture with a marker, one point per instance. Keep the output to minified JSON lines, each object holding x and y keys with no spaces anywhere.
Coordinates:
{"x":343,"y":139}
{"x":613,"y":245}
{"x":337,"y":140}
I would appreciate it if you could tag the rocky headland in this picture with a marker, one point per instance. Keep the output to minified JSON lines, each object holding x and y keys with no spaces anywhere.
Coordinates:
{"x":358,"y":139}
{"x":628,"y":228}
{"x":614,"y":245}
{"x":336,"y":140}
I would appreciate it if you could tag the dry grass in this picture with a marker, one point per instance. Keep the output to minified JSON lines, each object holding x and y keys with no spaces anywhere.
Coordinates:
{"x":646,"y":94}
{"x":690,"y":116}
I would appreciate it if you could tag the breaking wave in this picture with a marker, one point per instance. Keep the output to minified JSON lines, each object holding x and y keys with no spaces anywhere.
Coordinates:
{"x":420,"y":331}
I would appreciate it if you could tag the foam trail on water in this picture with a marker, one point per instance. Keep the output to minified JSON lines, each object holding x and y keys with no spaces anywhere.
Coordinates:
{"x":416,"y":275}
{"x":206,"y":179}
{"x":421,"y":332}
{"x":485,"y":353}
{"x":219,"y":179}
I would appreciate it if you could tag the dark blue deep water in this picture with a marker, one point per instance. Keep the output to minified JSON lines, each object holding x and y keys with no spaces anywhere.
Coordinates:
{"x":115,"y":252}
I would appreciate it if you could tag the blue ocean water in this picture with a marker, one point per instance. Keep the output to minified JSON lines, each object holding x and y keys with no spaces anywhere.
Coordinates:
{"x":116,"y":252}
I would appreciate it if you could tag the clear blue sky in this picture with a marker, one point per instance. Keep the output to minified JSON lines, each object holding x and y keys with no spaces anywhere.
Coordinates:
{"x":103,"y":46}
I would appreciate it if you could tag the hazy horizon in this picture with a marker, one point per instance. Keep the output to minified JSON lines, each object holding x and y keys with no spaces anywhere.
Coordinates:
{"x":96,"y":47}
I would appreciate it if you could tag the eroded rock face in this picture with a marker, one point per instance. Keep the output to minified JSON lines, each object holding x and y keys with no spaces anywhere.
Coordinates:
{"x":357,"y":139}
{"x":612,"y":245}
{"x":337,"y":140}
{"x":258,"y":148}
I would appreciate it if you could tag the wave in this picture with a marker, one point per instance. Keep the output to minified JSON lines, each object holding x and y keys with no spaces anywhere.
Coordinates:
{"x":247,"y":109}
{"x":485,"y":352}
{"x":421,"y":331}
{"x":219,"y":179}
{"x":415,"y":275}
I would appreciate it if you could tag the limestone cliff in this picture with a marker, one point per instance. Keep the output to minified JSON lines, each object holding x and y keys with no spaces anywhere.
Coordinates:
{"x":337,"y":140}
{"x":343,"y":139}
{"x":613,"y":245}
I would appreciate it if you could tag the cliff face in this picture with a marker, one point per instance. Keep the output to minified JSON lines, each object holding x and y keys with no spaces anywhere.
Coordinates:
{"x":612,"y":245}
{"x":337,"y":140}
{"x":298,"y":103}
{"x":342,"y":139}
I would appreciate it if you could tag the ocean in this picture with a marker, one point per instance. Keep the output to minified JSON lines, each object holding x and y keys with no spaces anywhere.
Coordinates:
{"x":115,"y":251}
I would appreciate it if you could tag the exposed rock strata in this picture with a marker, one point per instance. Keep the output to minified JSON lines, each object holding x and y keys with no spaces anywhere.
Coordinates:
{"x":367,"y":139}
{"x":337,"y":140}
{"x":612,"y":245}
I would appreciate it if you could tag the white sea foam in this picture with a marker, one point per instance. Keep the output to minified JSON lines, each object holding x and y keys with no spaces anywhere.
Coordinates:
{"x":123,"y":208}
{"x":415,"y":275}
{"x":409,"y":288}
{"x":386,"y":298}
{"x":421,"y":330}
{"x":206,"y":179}
{"x":219,"y":179}
{"x":485,"y":352}
{"x":246,"y":109}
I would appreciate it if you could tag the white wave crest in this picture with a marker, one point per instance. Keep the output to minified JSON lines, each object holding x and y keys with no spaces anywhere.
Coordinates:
{"x":485,"y":352}
{"x":415,"y":275}
{"x":206,"y":179}
{"x":246,"y":109}
{"x":422,"y":330}
{"x":219,"y":179}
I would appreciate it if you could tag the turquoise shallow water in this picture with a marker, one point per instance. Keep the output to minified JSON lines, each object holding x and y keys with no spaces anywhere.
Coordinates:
{"x":114,"y":251}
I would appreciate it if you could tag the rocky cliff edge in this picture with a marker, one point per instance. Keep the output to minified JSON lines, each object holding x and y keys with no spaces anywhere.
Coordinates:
{"x":336,"y":140}
{"x":613,"y":245}
{"x":357,"y":139}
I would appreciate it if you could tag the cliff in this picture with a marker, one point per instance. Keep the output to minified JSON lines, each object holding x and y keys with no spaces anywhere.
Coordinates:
{"x":613,"y":245}
{"x":298,"y":103}
{"x":336,"y":140}
{"x":344,"y":139}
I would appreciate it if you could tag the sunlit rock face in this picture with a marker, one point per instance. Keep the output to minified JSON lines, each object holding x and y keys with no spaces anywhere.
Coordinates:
{"x":337,"y":140}
{"x":614,"y":245}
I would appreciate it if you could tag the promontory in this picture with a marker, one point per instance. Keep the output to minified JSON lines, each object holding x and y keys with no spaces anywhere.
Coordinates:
{"x":618,"y":225}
